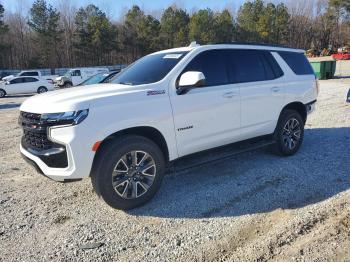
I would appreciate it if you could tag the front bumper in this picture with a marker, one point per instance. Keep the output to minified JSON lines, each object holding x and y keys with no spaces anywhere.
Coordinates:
{"x":79,"y":155}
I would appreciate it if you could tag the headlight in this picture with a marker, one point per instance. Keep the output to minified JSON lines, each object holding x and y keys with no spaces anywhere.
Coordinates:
{"x":66,"y":118}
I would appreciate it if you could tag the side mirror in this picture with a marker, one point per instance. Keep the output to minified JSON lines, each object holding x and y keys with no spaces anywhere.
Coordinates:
{"x":7,"y":82}
{"x":190,"y":80}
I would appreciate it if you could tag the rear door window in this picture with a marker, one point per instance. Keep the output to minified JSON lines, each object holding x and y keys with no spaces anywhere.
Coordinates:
{"x":212,"y":64}
{"x":273,"y":70}
{"x":245,"y":66}
{"x":30,"y":79}
{"x":297,"y":62}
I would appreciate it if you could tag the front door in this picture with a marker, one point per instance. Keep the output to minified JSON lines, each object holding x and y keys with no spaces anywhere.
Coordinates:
{"x":209,"y":116}
{"x":16,"y":86}
{"x":76,"y":77}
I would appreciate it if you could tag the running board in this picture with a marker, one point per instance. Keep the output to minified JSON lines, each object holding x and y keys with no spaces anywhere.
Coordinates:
{"x":218,"y":154}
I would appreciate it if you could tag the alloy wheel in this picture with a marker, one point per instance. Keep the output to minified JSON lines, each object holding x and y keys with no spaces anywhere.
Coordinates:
{"x":291,"y":133}
{"x":133,"y":174}
{"x":42,"y":90}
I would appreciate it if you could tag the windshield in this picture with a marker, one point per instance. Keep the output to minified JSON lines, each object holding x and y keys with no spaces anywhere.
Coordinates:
{"x":94,"y":79}
{"x":149,"y":69}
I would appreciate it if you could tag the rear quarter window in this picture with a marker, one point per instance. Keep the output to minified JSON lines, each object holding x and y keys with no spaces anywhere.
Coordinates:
{"x":297,"y":62}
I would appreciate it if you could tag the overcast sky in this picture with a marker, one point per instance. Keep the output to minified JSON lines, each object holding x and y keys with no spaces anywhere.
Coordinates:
{"x":116,"y":8}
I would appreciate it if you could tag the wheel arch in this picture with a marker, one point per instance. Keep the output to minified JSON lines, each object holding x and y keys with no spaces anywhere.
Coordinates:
{"x":67,"y":82}
{"x":146,"y":131}
{"x":299,"y":107}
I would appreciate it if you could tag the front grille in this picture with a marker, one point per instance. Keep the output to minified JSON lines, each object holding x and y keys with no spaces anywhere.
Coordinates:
{"x":34,"y":131}
{"x":35,"y":140}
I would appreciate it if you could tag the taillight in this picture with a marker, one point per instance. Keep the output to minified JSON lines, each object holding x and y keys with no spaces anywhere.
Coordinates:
{"x":50,"y":81}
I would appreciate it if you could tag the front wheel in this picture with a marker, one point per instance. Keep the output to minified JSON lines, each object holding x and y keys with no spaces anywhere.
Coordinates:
{"x":289,"y":133}
{"x":42,"y":89}
{"x":2,"y":93}
{"x":128,"y":171}
{"x":67,"y":85}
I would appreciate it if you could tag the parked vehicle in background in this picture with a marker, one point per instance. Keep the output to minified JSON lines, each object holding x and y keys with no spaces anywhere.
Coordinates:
{"x":76,"y":76}
{"x":33,"y":73}
{"x":164,"y":106}
{"x":25,"y":85}
{"x":99,"y":78}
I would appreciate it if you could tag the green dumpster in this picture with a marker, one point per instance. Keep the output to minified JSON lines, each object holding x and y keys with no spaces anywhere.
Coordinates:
{"x":324,"y":69}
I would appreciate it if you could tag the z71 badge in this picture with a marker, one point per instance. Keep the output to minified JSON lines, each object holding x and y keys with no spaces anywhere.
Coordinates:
{"x":155,"y":92}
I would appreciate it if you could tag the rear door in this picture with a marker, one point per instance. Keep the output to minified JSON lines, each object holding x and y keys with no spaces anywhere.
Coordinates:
{"x":30,"y":84}
{"x":260,"y":80}
{"x":208,"y":116}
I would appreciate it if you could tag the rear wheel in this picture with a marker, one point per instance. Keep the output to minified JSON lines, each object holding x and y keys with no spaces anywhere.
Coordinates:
{"x":289,"y":133}
{"x":128,"y":171}
{"x":42,"y":89}
{"x":2,"y":93}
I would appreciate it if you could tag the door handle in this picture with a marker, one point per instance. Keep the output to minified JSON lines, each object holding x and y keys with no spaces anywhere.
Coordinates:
{"x":230,"y":94}
{"x":275,"y":89}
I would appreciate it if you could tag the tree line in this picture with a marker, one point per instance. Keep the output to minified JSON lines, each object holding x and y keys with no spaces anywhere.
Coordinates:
{"x":51,"y":37}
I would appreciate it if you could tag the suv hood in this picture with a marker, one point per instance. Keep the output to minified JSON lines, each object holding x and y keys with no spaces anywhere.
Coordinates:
{"x":76,"y":98}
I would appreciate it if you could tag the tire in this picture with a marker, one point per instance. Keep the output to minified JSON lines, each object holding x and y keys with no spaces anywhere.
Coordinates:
{"x":2,"y":93}
{"x":42,"y":89}
{"x":67,"y":85}
{"x":118,"y":183}
{"x":289,"y":133}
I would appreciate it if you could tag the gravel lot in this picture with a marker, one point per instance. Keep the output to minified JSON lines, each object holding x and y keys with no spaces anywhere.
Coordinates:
{"x":252,"y":206}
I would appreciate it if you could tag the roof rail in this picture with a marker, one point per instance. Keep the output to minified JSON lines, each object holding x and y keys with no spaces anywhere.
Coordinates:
{"x":259,"y":44}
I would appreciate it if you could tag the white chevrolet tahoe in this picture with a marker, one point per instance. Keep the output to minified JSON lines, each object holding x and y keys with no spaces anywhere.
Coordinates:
{"x":164,"y":106}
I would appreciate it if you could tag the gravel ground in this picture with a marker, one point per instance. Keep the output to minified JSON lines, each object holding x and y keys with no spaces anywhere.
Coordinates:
{"x":252,"y":206}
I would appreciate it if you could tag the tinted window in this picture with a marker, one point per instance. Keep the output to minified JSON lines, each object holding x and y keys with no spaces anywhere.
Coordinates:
{"x":94,"y":79}
{"x":212,"y":64}
{"x":246,"y":66}
{"x":17,"y":81}
{"x":149,"y":69}
{"x":272,"y":65}
{"x":297,"y":62}
{"x":29,"y":79}
{"x":30,"y":74}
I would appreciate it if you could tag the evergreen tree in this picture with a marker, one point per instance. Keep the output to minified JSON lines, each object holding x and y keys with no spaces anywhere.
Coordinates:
{"x":174,"y":27}
{"x":224,"y":27}
{"x":3,"y":31}
{"x":202,"y":27}
{"x":44,"y":21}
{"x":95,"y":35}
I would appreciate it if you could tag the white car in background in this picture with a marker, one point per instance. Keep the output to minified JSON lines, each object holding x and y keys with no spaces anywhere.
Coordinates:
{"x":34,"y":73}
{"x":25,"y":85}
